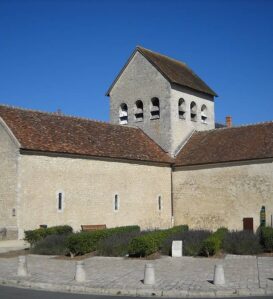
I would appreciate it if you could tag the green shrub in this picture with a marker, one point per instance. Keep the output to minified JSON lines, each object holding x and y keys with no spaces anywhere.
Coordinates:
{"x":192,"y":243}
{"x":36,"y":235}
{"x":86,"y":242}
{"x":117,"y":244}
{"x":213,"y":243}
{"x":52,"y":245}
{"x":151,"y":242}
{"x":242,"y":242}
{"x":267,"y":238}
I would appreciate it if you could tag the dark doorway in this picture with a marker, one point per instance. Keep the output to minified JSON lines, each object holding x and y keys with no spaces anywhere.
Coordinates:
{"x":248,"y":224}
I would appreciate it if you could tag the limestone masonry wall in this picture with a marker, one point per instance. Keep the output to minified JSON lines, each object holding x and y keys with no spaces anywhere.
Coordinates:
{"x":141,"y":81}
{"x":89,"y":188}
{"x":8,"y":185}
{"x":222,"y":196}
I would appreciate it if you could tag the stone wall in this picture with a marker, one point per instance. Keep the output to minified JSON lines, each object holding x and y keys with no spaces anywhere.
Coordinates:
{"x":182,"y":128}
{"x":8,"y":184}
{"x":89,"y":188}
{"x":211,"y":197}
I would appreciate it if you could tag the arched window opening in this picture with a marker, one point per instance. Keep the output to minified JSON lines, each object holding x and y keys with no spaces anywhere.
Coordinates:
{"x":116,"y":202}
{"x":204,"y":115}
{"x":139,"y":110}
{"x":182,"y":108}
{"x":155,"y":108}
{"x":193,"y":111}
{"x":123,"y":114}
{"x":159,"y":203}
{"x":60,"y":201}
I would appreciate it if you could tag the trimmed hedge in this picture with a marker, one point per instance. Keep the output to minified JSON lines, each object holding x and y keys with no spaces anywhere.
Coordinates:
{"x":117,"y":244}
{"x":36,"y":235}
{"x":52,"y":245}
{"x":151,"y":242}
{"x":86,"y":242}
{"x":242,"y":242}
{"x":267,"y":238}
{"x":213,"y":243}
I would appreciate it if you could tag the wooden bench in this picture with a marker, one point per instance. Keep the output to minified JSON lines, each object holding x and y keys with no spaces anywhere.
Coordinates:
{"x":86,"y":228}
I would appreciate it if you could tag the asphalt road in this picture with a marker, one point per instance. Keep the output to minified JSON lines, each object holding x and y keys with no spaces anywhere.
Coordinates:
{"x":17,"y":293}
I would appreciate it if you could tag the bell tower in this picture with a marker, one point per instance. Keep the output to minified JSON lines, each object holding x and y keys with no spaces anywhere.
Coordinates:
{"x":163,"y":97}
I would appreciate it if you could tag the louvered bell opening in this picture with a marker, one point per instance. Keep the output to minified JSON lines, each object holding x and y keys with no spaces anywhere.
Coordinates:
{"x":139,"y":114}
{"x":181,"y":112}
{"x":204,"y":116}
{"x":155,"y":112}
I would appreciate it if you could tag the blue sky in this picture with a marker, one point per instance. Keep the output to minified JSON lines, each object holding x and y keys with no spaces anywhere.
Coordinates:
{"x":66,"y":53}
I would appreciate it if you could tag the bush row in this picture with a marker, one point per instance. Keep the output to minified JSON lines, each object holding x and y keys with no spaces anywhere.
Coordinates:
{"x":86,"y":242}
{"x":213,"y":244}
{"x":151,"y":242}
{"x":192,"y":242}
{"x":266,"y":238}
{"x":34,"y":236}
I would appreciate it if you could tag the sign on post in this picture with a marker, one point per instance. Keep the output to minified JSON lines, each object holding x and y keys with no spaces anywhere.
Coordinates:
{"x":177,"y":250}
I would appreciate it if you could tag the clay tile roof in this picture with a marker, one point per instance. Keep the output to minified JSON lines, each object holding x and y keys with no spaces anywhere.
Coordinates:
{"x":50,"y":132}
{"x":228,"y":144}
{"x":175,"y":71}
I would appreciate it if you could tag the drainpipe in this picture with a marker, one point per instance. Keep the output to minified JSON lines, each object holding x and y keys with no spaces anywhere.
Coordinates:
{"x":172,"y":208}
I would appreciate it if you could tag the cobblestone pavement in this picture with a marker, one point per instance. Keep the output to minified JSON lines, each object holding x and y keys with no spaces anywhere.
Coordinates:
{"x":176,"y":277}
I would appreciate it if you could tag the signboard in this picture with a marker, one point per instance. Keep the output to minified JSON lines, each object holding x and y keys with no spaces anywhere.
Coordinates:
{"x":177,"y":249}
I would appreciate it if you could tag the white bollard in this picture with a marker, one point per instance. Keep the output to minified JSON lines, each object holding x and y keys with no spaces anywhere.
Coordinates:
{"x":219,"y":276}
{"x":149,"y":274}
{"x":80,"y":275}
{"x":22,"y":266}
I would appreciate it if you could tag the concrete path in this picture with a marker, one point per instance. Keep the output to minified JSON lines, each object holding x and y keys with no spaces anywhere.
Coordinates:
{"x":175,"y":277}
{"x":12,"y":245}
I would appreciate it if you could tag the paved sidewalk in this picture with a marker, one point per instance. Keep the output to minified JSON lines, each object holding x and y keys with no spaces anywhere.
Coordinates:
{"x":12,"y":245}
{"x":175,"y":277}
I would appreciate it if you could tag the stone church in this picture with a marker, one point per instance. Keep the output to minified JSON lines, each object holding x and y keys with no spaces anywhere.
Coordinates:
{"x":161,"y":161}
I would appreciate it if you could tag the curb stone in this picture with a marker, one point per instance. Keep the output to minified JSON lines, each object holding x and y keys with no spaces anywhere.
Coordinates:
{"x":148,"y":292}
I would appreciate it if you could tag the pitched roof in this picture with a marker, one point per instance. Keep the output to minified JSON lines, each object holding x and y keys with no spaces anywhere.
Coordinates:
{"x":174,"y":71}
{"x":50,"y":132}
{"x":227,"y":145}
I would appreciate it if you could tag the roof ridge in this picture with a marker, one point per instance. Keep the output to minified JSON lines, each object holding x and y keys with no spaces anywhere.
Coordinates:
{"x":63,"y":115}
{"x":237,"y":126}
{"x":166,"y":56}
{"x":180,"y":62}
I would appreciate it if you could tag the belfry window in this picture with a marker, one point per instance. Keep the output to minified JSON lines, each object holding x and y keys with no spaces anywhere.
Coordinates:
{"x":155,"y":108}
{"x":123,"y":114}
{"x":204,"y":115}
{"x":182,"y":108}
{"x":139,"y":110}
{"x":193,"y":111}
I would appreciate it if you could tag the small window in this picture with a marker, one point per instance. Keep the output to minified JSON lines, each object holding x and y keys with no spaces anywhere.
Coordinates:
{"x":116,"y":202}
{"x":204,"y":116}
{"x":139,"y":110}
{"x":181,"y":109}
{"x":159,"y":203}
{"x":193,"y":111}
{"x":123,"y":114}
{"x":60,"y":201}
{"x":155,"y":108}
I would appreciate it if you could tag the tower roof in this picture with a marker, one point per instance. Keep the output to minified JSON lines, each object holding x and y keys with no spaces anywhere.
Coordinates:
{"x":176,"y":72}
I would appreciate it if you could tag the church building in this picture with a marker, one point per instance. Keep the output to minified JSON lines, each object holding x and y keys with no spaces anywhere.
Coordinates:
{"x":161,"y":161}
